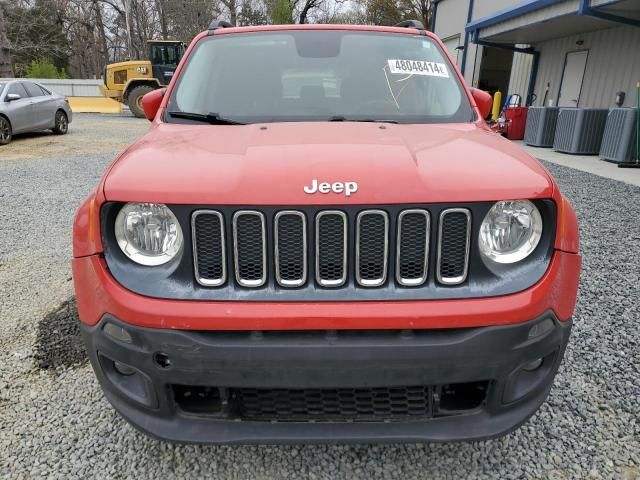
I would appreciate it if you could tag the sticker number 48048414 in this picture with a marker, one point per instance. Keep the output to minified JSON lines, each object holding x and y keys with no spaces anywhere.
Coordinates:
{"x":418,"y":67}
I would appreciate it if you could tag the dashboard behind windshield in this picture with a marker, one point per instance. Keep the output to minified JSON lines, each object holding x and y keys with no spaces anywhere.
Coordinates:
{"x":311,"y":75}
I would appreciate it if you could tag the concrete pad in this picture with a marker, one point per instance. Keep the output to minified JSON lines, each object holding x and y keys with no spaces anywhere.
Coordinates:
{"x":586,"y":163}
{"x":94,"y":105}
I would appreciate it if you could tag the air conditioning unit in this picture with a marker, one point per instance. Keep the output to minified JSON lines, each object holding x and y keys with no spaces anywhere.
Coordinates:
{"x":579,"y":130}
{"x":619,"y":139}
{"x":541,"y":126}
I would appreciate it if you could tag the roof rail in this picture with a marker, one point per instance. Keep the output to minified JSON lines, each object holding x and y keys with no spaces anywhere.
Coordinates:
{"x":410,"y":24}
{"x":216,"y":24}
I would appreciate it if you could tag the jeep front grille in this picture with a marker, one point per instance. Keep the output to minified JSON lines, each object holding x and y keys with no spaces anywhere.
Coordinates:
{"x":453,"y":246}
{"x":250,"y":248}
{"x":290,"y":248}
{"x":290,"y":233}
{"x":413,"y":247}
{"x":209,"y":251}
{"x":372,"y":244}
{"x":331,"y":248}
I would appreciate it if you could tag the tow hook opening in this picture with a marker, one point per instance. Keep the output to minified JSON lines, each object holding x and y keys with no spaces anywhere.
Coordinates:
{"x":162,"y":359}
{"x":460,"y":397}
{"x":197,"y":399}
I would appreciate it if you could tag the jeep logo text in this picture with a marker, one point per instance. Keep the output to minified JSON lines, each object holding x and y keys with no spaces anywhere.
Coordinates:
{"x":337,"y":187}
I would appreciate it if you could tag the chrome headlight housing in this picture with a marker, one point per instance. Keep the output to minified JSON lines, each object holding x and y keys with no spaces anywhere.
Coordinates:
{"x":148,"y":233}
{"x":510,"y":231}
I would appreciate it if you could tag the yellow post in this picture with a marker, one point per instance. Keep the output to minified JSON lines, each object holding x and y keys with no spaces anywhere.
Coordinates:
{"x":497,"y":104}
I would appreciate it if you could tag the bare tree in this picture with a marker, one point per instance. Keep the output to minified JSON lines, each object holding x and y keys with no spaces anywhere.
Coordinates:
{"x":36,"y":32}
{"x":6,"y":67}
{"x":307,"y":6}
{"x":232,"y":8}
{"x":85,"y":35}
{"x":423,"y":10}
{"x":186,"y":18}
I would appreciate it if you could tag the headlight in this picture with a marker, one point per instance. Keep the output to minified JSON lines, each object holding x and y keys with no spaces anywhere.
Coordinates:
{"x":510,"y":231}
{"x":148,"y":233}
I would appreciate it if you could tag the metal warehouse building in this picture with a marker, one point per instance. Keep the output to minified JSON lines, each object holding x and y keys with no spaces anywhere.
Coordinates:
{"x":564,"y":53}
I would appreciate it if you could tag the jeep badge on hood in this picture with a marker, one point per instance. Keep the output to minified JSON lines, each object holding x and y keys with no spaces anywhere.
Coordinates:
{"x":337,"y":187}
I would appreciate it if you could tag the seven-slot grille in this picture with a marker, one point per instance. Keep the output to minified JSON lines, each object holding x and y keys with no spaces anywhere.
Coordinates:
{"x":324,"y":239}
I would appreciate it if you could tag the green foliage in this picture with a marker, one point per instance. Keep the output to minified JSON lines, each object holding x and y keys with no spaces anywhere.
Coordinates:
{"x":282,"y":12}
{"x":44,"y":68}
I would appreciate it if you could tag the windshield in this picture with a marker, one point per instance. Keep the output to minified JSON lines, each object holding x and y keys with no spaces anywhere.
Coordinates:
{"x":162,"y":54}
{"x":2,"y":87}
{"x":320,"y":75}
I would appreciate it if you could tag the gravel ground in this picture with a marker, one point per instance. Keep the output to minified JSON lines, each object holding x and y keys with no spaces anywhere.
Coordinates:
{"x":54,"y":421}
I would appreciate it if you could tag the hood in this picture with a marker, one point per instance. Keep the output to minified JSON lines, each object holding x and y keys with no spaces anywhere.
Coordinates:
{"x":270,"y":164}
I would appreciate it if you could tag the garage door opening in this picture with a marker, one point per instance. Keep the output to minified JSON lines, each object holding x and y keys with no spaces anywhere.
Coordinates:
{"x":495,"y":70}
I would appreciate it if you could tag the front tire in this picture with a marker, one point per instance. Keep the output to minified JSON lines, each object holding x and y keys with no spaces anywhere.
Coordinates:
{"x":6,"y":133}
{"x":135,"y":99}
{"x":61,"y":124}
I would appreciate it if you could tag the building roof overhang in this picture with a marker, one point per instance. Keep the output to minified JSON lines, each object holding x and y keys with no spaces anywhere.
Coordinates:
{"x":535,"y":21}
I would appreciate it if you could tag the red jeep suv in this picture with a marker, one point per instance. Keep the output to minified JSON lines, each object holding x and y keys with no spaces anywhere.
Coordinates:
{"x":320,"y":240}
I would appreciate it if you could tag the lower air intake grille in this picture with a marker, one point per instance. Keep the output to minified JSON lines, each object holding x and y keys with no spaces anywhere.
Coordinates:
{"x":357,"y":404}
{"x":453,"y":245}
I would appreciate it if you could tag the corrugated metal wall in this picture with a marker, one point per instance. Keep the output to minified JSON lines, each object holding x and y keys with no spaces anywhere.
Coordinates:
{"x":484,"y":8}
{"x":552,"y":11}
{"x":520,"y":73}
{"x":452,"y":44}
{"x":451,"y":17}
{"x":613,"y":65}
{"x":451,"y":20}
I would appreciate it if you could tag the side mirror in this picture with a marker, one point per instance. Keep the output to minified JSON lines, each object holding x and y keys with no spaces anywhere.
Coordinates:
{"x":151,"y":103}
{"x":483,"y":101}
{"x":12,"y":97}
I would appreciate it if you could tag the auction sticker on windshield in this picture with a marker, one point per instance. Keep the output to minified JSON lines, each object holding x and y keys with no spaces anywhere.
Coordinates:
{"x":418,"y":67}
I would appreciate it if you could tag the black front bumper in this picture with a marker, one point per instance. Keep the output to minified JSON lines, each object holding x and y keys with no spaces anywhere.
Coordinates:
{"x":165,"y":361}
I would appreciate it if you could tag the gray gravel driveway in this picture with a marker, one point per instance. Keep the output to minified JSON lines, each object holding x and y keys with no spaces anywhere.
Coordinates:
{"x":55,"y":422}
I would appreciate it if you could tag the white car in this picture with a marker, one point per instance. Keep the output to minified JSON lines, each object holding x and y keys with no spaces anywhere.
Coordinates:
{"x":27,"y":106}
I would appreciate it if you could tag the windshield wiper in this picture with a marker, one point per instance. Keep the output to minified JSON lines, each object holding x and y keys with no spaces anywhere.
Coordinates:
{"x":340,"y":118}
{"x":212,"y":118}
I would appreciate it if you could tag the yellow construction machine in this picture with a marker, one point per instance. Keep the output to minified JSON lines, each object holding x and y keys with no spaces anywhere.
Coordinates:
{"x":128,"y":81}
